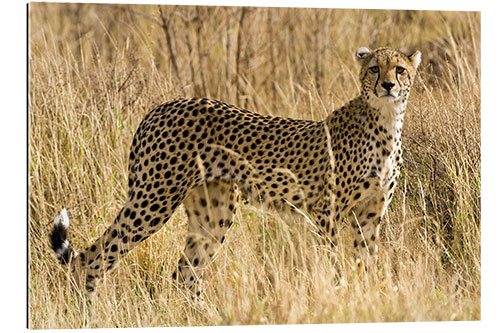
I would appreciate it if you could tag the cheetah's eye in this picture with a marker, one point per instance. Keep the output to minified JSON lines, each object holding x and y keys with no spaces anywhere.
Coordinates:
{"x":374,"y":69}
{"x":400,"y":70}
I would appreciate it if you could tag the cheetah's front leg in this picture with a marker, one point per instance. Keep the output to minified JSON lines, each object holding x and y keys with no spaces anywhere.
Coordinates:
{"x":325,"y":225}
{"x":365,"y":220}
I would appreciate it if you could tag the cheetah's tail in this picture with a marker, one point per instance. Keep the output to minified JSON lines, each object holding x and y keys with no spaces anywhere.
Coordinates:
{"x":58,"y":238}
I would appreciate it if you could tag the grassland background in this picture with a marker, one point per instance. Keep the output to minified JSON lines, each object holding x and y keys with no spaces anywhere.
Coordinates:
{"x":96,"y":70}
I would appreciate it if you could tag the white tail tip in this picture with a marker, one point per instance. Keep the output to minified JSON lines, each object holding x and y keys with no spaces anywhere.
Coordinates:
{"x":62,"y":218}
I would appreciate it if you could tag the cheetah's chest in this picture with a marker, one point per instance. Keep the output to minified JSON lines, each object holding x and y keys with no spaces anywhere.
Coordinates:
{"x":387,"y":150}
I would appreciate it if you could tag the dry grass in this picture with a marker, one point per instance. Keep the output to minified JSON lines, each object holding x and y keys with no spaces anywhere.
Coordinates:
{"x":96,"y":70}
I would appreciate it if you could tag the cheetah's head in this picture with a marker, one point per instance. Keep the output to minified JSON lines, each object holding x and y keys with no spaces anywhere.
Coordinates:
{"x":386,"y":74}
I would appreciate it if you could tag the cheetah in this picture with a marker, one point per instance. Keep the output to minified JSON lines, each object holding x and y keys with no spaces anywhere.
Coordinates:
{"x":201,"y":152}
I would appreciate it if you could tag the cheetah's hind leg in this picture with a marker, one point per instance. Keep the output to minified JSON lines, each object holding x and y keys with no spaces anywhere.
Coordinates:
{"x":210,"y":209}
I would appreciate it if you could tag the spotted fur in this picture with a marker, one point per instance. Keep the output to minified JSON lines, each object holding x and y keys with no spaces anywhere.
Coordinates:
{"x":198,"y":151}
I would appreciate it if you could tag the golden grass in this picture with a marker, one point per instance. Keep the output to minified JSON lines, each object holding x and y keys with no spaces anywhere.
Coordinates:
{"x":96,"y":70}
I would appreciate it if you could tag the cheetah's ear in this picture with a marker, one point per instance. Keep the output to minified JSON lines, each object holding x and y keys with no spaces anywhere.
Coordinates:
{"x":415,"y":58}
{"x":362,"y":53}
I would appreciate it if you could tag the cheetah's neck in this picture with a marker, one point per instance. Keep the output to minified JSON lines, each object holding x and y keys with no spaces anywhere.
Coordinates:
{"x":390,"y":115}
{"x":391,"y":118}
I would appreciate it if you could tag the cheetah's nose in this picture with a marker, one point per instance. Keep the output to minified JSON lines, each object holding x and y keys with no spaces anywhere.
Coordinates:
{"x":387,"y":85}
